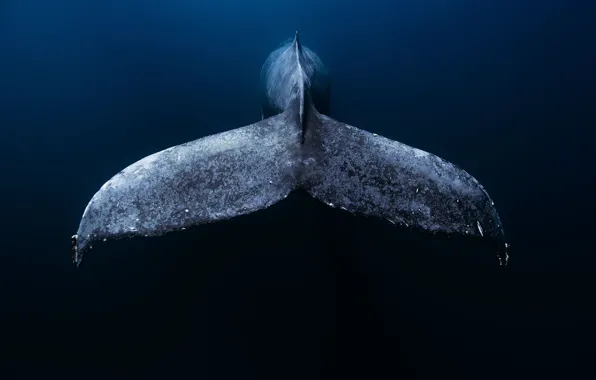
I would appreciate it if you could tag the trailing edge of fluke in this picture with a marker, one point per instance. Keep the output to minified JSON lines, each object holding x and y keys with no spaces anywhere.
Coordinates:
{"x":295,"y":146}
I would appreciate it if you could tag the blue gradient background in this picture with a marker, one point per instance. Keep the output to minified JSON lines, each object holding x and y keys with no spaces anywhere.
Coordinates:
{"x":504,"y":89}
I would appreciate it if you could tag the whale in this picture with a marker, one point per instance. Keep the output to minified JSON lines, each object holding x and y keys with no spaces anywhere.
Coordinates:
{"x":296,"y":146}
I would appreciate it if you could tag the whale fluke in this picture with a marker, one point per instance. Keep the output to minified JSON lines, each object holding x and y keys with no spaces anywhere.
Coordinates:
{"x":296,"y":146}
{"x":368,"y":174}
{"x":206,"y":180}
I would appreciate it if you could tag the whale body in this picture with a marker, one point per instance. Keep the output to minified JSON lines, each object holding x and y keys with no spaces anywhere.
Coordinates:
{"x":296,"y":146}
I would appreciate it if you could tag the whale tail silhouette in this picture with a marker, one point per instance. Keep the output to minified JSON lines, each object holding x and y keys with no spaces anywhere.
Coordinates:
{"x":206,"y":180}
{"x":368,"y":174}
{"x":251,"y":168}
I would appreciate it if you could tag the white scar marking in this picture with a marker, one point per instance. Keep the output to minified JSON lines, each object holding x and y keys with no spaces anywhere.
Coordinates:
{"x":480,"y":228}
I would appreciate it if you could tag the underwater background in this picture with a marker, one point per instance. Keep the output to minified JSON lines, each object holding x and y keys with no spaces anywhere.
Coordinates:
{"x":504,"y":89}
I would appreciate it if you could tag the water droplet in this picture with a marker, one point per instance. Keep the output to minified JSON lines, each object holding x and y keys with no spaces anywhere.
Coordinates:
{"x":185,"y":210}
{"x":104,"y":239}
{"x":330,"y":204}
{"x":270,"y":182}
{"x":417,"y":189}
{"x":374,"y":134}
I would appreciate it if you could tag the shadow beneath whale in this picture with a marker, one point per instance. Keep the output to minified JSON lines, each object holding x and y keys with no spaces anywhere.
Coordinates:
{"x":298,"y":290}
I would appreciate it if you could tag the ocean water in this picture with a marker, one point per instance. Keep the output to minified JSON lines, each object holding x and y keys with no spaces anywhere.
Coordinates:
{"x":504,"y":89}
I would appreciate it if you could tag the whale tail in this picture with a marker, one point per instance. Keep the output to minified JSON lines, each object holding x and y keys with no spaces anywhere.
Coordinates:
{"x":206,"y":180}
{"x":251,"y":168}
{"x":364,"y":173}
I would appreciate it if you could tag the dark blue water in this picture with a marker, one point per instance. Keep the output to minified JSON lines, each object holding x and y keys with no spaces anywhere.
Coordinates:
{"x":504,"y":89}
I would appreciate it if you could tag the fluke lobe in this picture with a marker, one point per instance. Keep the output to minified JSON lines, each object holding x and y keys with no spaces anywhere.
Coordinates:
{"x":295,"y":146}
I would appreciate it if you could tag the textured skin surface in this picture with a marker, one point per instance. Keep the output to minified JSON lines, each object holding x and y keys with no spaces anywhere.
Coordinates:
{"x":210,"y":179}
{"x":368,"y":174}
{"x":250,"y":168}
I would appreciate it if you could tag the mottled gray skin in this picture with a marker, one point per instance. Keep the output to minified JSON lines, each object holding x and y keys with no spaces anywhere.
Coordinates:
{"x":209,"y":179}
{"x":368,"y":174}
{"x":250,"y":168}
